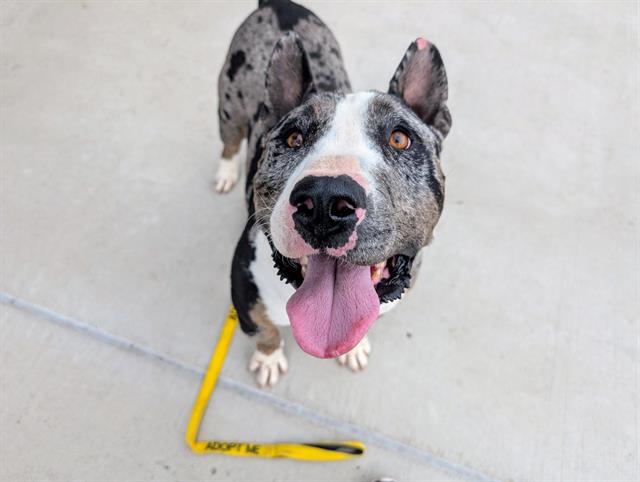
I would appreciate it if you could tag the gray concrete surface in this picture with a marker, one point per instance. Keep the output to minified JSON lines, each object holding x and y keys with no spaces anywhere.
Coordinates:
{"x":517,"y":356}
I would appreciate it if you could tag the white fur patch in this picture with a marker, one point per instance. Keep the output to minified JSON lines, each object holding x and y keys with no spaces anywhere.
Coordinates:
{"x":347,"y":135}
{"x":227,"y":175}
{"x":388,"y":306}
{"x":268,"y":368}
{"x":358,"y":357}
{"x":274,"y":292}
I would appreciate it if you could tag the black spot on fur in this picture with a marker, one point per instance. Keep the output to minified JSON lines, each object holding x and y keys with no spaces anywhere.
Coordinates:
{"x":260,"y":111}
{"x":237,"y":60}
{"x":288,"y":270}
{"x":391,"y":288}
{"x":240,"y":95}
{"x":259,"y":19}
{"x":327,"y":85}
{"x":249,"y":67}
{"x":289,"y":13}
{"x":325,"y":82}
{"x":253,"y":167}
{"x":436,"y":189}
{"x":335,"y":52}
{"x":436,"y":58}
{"x":226,"y":115}
{"x":438,"y":145}
{"x":244,"y":292}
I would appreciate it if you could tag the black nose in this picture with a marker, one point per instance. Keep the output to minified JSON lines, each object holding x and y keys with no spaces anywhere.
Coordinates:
{"x":327,"y":209}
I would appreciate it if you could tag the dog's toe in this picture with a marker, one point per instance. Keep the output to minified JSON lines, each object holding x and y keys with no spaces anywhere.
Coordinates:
{"x":358,"y":357}
{"x":227,"y":175}
{"x":268,"y":368}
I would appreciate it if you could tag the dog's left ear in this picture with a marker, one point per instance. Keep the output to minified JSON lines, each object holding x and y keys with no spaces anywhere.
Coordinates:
{"x":288,"y":77}
{"x":421,"y":81}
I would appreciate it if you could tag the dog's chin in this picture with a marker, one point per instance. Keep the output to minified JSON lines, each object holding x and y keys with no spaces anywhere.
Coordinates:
{"x":335,"y":301}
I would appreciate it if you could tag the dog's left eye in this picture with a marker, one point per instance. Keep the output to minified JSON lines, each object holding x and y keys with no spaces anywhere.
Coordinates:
{"x":295,"y":139}
{"x":399,"y":140}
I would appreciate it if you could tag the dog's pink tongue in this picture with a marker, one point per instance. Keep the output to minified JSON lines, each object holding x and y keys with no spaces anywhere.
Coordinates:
{"x":334,"y":307}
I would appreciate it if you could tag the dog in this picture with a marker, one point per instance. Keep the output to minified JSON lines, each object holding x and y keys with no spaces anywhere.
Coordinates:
{"x":343,"y":189}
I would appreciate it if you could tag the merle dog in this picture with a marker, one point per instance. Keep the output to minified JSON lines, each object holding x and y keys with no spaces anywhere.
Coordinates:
{"x":343,"y":189}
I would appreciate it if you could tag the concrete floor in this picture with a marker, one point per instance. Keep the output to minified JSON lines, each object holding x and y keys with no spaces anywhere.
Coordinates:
{"x":516,"y":357}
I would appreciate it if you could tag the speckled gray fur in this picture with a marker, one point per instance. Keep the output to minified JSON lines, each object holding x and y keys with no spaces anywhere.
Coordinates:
{"x":284,"y":73}
{"x":242,"y":78}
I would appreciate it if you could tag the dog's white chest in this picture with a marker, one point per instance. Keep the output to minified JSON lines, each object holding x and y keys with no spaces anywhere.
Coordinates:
{"x":274,"y":292}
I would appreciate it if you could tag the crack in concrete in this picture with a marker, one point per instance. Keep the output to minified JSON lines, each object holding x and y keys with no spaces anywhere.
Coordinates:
{"x":287,"y":406}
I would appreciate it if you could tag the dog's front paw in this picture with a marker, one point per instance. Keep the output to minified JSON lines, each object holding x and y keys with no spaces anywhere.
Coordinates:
{"x":358,"y":357}
{"x":268,"y":368}
{"x":227,"y":175}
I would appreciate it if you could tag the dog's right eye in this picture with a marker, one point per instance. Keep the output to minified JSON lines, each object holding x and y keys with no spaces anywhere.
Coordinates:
{"x":295,"y":139}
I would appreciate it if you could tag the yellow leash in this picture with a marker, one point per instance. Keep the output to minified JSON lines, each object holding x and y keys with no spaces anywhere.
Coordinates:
{"x":316,"y":451}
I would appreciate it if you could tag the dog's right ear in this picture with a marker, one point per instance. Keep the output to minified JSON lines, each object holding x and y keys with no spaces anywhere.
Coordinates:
{"x":288,"y":77}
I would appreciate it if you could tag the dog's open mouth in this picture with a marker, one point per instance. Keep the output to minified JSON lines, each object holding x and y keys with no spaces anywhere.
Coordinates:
{"x":335,"y":305}
{"x":336,"y":302}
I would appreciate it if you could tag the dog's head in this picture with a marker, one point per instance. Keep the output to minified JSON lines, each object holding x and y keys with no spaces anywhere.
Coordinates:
{"x":348,"y":189}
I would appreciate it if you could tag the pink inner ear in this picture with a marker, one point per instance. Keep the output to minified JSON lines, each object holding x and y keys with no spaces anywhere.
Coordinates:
{"x":418,"y":77}
{"x":421,"y":43}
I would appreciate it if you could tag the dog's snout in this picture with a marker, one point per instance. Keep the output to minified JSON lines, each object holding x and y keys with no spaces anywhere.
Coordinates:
{"x":327,"y":209}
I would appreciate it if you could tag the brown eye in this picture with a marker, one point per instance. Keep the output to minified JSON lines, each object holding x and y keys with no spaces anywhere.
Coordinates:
{"x":295,"y":140}
{"x":399,"y":140}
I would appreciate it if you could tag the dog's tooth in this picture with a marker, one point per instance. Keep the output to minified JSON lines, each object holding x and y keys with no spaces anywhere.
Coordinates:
{"x":377,"y":270}
{"x":304,"y":261}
